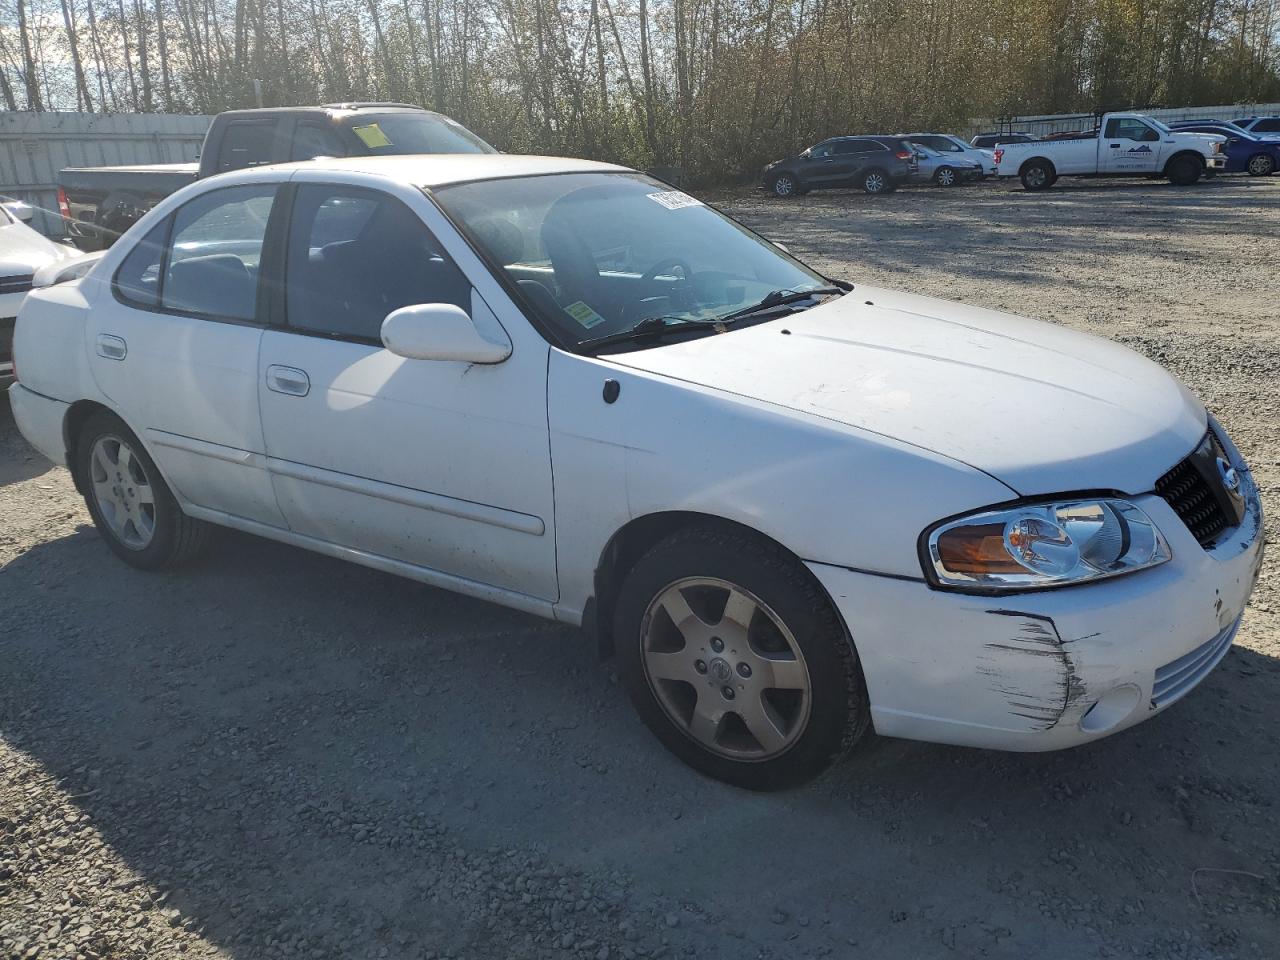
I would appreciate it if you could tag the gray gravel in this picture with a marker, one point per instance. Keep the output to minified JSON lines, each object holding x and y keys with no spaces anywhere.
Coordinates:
{"x":279,"y":755}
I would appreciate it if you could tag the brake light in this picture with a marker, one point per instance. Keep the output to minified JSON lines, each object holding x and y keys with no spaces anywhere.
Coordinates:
{"x":64,"y":207}
{"x":903,"y":154}
{"x":999,"y":153}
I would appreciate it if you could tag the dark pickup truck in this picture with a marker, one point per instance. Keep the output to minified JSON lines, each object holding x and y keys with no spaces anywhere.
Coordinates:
{"x":100,"y":203}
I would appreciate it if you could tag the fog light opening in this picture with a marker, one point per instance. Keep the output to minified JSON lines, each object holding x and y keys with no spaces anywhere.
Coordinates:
{"x":1112,"y":709}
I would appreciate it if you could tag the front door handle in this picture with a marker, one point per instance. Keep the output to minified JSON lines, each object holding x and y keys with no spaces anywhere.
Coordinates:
{"x":112,"y":348}
{"x":1115,"y":146}
{"x":288,"y":380}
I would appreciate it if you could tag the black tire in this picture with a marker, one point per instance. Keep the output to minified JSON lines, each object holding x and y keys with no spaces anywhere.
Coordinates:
{"x":785,"y":185}
{"x":1184,"y":170}
{"x":1260,"y":165}
{"x":946,"y":177}
{"x":876,"y":181}
{"x":176,"y":539}
{"x":837,"y":713}
{"x":1037,"y":175}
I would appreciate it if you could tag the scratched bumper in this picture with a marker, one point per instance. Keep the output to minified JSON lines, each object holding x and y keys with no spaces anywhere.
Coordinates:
{"x":1021,"y":672}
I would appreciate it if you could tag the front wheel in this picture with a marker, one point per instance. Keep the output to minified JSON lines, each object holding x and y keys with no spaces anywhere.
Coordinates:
{"x":785,"y":185}
{"x":736,"y":660}
{"x":1184,"y":171}
{"x":130,"y":503}
{"x":946,"y":177}
{"x":1261,"y":165}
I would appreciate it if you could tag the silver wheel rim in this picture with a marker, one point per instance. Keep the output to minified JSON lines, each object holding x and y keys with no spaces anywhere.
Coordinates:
{"x":874,"y":183}
{"x":725,"y":669}
{"x":783,"y":186}
{"x":1036,"y":177}
{"x":121,"y":488}
{"x":946,"y":177}
{"x":1260,"y":165}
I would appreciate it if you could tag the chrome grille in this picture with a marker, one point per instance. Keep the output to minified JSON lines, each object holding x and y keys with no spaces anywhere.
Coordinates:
{"x":20,"y":283}
{"x":1177,"y":677}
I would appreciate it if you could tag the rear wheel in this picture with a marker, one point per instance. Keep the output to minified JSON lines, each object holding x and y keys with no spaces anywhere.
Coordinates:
{"x":1261,"y":165}
{"x":946,"y":177}
{"x":876,"y":181}
{"x":1037,"y":175}
{"x":1184,"y":170}
{"x":129,"y":501}
{"x":736,"y":660}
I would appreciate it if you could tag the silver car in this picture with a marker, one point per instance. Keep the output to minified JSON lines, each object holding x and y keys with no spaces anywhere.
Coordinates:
{"x":956,"y":149}
{"x":945,"y":170}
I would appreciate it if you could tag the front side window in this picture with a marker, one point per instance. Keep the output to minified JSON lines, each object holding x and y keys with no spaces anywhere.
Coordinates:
{"x":939,"y":143}
{"x":1129,"y":129}
{"x":356,"y":255}
{"x":595,"y":253}
{"x":215,"y":252}
{"x":822,"y":150}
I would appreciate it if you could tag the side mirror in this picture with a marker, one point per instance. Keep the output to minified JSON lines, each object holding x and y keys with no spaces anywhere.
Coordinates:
{"x":439,"y":331}
{"x":20,"y":209}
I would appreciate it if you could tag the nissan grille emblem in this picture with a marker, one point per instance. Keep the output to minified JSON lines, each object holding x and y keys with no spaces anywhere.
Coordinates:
{"x":1230,"y":479}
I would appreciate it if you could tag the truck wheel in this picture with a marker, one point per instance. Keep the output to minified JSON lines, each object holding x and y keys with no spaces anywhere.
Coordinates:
{"x":784,"y":185}
{"x":876,"y":181}
{"x":1184,"y":170}
{"x":946,"y":177}
{"x":1037,"y":175}
{"x":1261,"y":165}
{"x":736,"y":660}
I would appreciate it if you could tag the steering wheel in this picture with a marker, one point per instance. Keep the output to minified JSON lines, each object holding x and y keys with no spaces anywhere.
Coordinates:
{"x":666,"y":263}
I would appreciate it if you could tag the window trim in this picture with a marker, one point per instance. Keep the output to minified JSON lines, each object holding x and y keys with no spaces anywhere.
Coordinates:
{"x":260,"y":318}
{"x":279,"y":303}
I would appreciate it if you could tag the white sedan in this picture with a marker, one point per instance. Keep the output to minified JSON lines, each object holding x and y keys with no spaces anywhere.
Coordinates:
{"x":793,"y":507}
{"x":23,"y":252}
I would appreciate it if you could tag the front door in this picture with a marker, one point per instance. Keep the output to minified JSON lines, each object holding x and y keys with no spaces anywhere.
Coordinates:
{"x":440,"y":464}
{"x":173,"y":343}
{"x":1130,"y":146}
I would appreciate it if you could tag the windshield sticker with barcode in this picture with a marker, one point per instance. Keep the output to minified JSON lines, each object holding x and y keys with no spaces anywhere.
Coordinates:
{"x":675,"y":199}
{"x":584,"y":314}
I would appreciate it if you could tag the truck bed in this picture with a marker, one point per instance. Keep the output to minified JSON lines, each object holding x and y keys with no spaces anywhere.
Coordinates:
{"x":140,"y":177}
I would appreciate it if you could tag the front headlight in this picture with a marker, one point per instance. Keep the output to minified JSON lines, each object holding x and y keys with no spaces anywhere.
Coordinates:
{"x":1043,"y":545}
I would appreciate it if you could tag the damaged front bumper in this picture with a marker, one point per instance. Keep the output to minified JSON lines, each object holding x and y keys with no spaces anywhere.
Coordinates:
{"x":1049,"y":669}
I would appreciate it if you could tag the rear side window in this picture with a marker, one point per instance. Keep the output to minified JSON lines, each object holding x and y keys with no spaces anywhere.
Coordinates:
{"x":1269,"y":125}
{"x":215,"y":251}
{"x":356,"y":255}
{"x":138,"y":279}
{"x":246,"y":143}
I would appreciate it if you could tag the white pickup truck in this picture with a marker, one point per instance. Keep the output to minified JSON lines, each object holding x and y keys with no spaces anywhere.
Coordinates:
{"x":1129,"y":145}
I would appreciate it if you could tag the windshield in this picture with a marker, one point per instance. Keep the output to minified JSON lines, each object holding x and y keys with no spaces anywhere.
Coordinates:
{"x":395,"y":133}
{"x":596,"y":253}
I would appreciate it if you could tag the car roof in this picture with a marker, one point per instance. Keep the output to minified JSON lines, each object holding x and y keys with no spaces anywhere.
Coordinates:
{"x":439,"y":169}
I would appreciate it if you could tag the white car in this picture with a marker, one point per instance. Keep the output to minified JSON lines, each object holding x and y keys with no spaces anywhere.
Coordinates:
{"x":1130,"y":145}
{"x":942,"y":169}
{"x":23,"y":251}
{"x":955,"y":148}
{"x":794,"y":508}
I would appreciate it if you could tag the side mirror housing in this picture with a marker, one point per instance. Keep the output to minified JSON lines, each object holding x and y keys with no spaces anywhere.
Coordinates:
{"x":439,"y":331}
{"x":20,"y":209}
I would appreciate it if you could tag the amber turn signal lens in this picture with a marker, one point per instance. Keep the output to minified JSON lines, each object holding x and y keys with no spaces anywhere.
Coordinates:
{"x":976,"y":549}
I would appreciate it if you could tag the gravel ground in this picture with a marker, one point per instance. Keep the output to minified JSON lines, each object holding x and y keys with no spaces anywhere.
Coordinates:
{"x":279,"y":755}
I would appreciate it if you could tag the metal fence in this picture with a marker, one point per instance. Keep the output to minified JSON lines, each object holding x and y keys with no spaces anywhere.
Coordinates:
{"x":1043,"y":125}
{"x":35,"y":146}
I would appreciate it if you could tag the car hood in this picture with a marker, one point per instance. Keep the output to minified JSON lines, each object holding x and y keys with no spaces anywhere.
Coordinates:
{"x":23,"y":251}
{"x":1042,"y":408}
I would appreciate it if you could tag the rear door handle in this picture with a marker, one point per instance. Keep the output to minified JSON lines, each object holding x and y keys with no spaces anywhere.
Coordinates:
{"x":288,"y":380}
{"x":112,"y":348}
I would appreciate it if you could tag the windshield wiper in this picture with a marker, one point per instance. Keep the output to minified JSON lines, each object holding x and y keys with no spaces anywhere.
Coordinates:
{"x":649,"y":327}
{"x":779,"y":298}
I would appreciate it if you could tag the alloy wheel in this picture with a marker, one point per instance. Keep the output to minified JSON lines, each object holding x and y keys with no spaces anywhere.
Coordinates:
{"x":123,"y":492}
{"x":874,"y":183}
{"x":725,"y":669}
{"x":1261,"y":165}
{"x":946,"y":177}
{"x":784,"y":186}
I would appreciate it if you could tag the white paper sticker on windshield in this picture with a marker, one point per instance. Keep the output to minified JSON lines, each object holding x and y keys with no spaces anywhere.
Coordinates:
{"x":584,"y":314}
{"x":675,"y":199}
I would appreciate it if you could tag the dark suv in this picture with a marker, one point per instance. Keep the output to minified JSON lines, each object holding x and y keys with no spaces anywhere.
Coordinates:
{"x":876,"y":164}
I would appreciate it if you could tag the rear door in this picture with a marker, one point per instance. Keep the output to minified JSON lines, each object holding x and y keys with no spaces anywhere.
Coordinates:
{"x":1129,"y":145}
{"x":174,"y":345}
{"x":863,"y":154}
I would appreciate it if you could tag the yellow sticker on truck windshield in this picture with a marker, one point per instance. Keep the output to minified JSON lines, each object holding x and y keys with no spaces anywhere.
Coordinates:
{"x":584,"y":314}
{"x":371,"y":136}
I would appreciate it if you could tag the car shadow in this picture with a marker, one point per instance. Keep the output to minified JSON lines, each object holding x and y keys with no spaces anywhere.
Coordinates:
{"x":288,"y":745}
{"x":18,"y":460}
